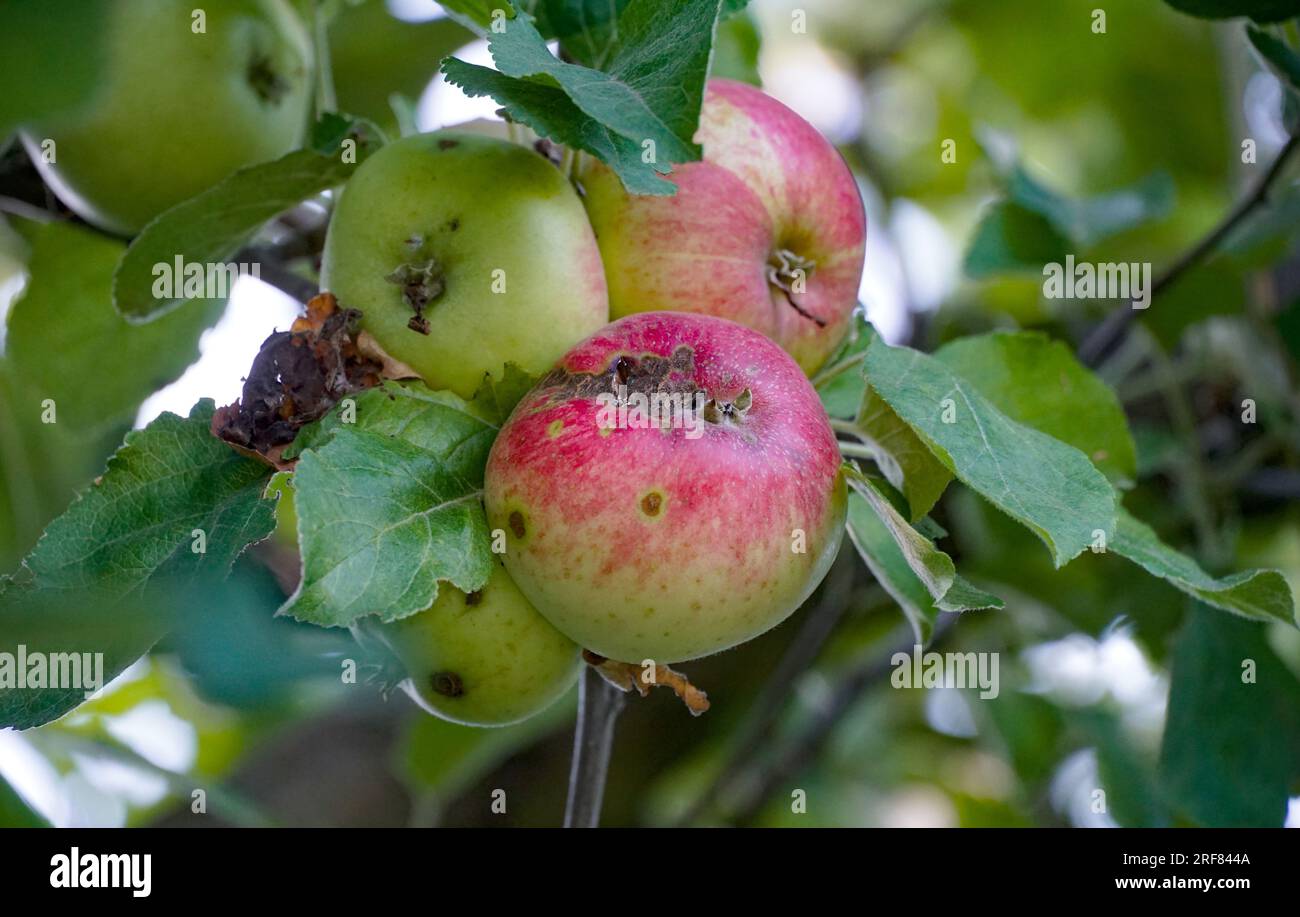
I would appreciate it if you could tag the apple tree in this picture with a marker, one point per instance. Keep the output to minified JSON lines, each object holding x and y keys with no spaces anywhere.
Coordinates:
{"x":585,"y":393}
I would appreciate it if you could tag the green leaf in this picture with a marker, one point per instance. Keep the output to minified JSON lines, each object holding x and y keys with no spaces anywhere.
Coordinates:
{"x":551,"y":113}
{"x":1046,"y":485}
{"x":1086,"y":221}
{"x":1277,"y":54}
{"x":69,"y":344}
{"x":210,"y":228}
{"x":736,"y":49}
{"x":110,"y":575}
{"x":1259,"y":10}
{"x":1013,"y":238}
{"x":1133,"y":797}
{"x":390,"y":506}
{"x":839,"y":382}
{"x":14,"y":810}
{"x":906,"y":462}
{"x":916,"y":574}
{"x":472,"y":13}
{"x":138,"y":521}
{"x":1038,"y":382}
{"x":1262,"y":595}
{"x":495,"y":400}
{"x":1231,"y":750}
{"x":648,"y":89}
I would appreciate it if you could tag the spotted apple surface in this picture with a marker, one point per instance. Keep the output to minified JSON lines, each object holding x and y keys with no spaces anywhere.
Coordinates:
{"x":767,"y":230}
{"x":675,"y":541}
{"x":483,"y":658}
{"x":465,"y":252}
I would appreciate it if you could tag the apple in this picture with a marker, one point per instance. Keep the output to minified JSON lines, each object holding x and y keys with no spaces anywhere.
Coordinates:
{"x":767,"y":230}
{"x":174,"y":110}
{"x":673,"y":541}
{"x":485,"y":658}
{"x":465,"y":252}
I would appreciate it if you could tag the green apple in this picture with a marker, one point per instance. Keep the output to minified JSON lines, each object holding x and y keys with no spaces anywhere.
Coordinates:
{"x":485,"y":658}
{"x":175,"y":109}
{"x":463,"y":253}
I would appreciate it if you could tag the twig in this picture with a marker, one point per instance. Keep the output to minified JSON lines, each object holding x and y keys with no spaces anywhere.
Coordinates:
{"x":599,"y":704}
{"x":808,"y":743}
{"x":766,"y":710}
{"x":1103,"y":337}
{"x":326,"y":100}
{"x":271,"y":269}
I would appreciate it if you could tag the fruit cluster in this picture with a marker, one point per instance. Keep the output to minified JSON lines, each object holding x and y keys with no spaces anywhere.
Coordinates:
{"x":662,"y":536}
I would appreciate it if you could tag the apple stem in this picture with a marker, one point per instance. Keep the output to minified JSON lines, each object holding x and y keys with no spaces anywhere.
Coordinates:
{"x":599,"y":704}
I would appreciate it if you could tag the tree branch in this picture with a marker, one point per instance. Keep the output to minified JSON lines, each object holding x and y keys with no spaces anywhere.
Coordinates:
{"x":599,"y":704}
{"x":1104,"y":336}
{"x":766,"y":709}
{"x":791,"y":761}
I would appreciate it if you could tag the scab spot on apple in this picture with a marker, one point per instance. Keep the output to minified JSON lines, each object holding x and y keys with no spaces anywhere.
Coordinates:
{"x":648,"y":373}
{"x":448,"y":684}
{"x":652,"y":503}
{"x":265,"y":81}
{"x":516,"y":521}
{"x":447,"y":143}
{"x":474,"y":598}
{"x":421,"y":284}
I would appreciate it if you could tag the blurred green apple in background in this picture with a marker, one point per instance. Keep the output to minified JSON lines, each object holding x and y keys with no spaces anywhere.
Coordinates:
{"x":181,"y":102}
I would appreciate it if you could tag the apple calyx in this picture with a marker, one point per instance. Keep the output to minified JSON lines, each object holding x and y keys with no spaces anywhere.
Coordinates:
{"x":421,"y":284}
{"x":628,"y":677}
{"x":266,"y":81}
{"x":789,"y":273}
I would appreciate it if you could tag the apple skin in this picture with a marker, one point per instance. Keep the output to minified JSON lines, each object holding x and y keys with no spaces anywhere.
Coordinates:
{"x":642,"y":543}
{"x":483,"y":659}
{"x":768,"y":182}
{"x":476,"y":206}
{"x":176,"y":112}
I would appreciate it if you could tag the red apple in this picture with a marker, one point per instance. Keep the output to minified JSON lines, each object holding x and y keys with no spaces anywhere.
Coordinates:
{"x":674,"y":541}
{"x":768,"y":230}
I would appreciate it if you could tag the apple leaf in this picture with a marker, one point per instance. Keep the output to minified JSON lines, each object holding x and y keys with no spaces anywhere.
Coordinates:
{"x":1011,"y":238}
{"x":1033,"y":225}
{"x":637,"y":110}
{"x":839,"y":382}
{"x":1048,"y":486}
{"x":1259,"y":10}
{"x":1038,"y":382}
{"x":1262,"y":595}
{"x":391,"y":505}
{"x":15,"y":812}
{"x":495,"y":400}
{"x":916,"y":574}
{"x":175,"y":507}
{"x":906,"y":462}
{"x":211,"y":227}
{"x":69,"y":344}
{"x":1231,"y":750}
